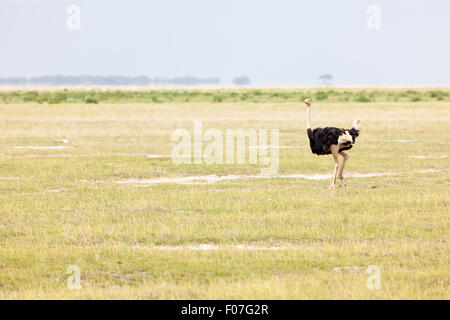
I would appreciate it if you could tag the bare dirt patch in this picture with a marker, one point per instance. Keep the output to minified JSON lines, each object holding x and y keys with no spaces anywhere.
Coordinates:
{"x":41,"y":147}
{"x":428,"y":156}
{"x":209,"y":179}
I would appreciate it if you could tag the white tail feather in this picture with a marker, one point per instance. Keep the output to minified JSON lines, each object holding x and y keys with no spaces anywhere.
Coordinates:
{"x":356,"y":124}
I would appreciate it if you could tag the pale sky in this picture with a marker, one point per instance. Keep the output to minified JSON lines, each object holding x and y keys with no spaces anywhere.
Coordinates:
{"x":274,"y":42}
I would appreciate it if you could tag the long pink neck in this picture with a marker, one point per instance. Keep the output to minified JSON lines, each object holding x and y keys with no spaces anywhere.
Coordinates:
{"x":308,"y":117}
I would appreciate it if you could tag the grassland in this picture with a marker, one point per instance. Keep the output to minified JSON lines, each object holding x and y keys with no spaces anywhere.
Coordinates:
{"x":245,"y":95}
{"x":250,"y":238}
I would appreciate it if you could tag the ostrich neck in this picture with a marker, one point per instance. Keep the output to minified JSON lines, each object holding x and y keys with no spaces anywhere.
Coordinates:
{"x":308,"y":117}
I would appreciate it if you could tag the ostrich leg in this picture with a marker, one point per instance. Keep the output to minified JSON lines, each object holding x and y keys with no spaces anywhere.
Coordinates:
{"x":334,"y":151}
{"x":341,"y":171}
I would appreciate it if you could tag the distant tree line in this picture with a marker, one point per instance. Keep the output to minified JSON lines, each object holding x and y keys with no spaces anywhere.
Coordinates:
{"x":116,"y":80}
{"x":241,"y":81}
{"x":106,"y":80}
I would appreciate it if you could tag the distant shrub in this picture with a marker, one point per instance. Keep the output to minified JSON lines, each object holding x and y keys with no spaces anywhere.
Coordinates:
{"x":44,"y":97}
{"x":54,"y":101}
{"x":439,"y":95}
{"x":321,"y":95}
{"x":218,"y":98}
{"x":435,"y":94}
{"x":415,"y":99}
{"x":194,"y":94}
{"x":30,"y":96}
{"x":61,"y":96}
{"x":40,"y":100}
{"x":91,"y":100}
{"x":244,"y":96}
{"x":362,"y":98}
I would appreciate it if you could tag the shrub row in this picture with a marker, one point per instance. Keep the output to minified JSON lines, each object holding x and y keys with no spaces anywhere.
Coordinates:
{"x":219,"y":96}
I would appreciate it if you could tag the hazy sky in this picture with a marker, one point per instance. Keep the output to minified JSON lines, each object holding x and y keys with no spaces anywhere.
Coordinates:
{"x":272,"y":41}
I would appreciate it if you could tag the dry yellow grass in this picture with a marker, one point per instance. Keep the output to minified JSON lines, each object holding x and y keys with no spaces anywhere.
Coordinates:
{"x":64,"y":207}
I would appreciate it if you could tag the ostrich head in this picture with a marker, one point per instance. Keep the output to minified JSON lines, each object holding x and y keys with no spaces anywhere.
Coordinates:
{"x":357,"y":124}
{"x":308,"y":102}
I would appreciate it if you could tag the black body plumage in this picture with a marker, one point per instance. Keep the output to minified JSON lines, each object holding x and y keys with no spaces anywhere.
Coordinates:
{"x":321,"y":139}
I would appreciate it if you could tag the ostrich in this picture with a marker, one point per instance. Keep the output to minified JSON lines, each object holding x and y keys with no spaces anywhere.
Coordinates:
{"x":333,"y":141}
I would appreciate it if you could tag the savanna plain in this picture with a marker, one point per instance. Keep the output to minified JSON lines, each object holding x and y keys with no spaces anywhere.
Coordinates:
{"x":86,"y":180}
